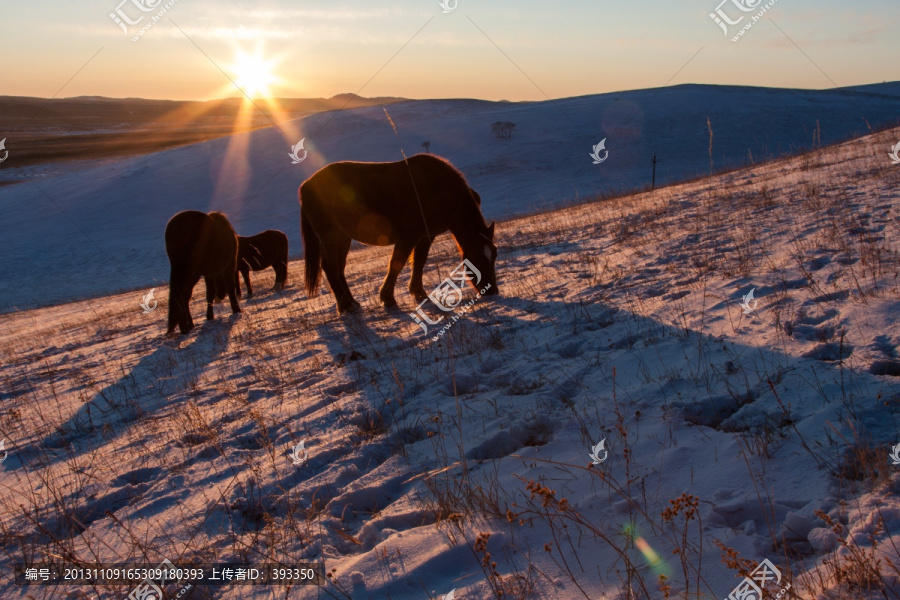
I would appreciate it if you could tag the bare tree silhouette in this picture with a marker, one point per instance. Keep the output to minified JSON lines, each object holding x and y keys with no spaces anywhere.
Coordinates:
{"x":503,"y":129}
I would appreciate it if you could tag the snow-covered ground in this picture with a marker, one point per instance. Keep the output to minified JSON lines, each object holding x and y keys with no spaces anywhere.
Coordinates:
{"x":464,"y":464}
{"x":76,"y":231}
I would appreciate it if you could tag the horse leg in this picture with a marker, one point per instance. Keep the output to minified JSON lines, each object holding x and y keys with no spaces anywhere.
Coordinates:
{"x":179,"y":300}
{"x":237,"y":284}
{"x":280,"y":274}
{"x":334,"y":260}
{"x":420,"y":255}
{"x":245,"y":271}
{"x":344,"y":250}
{"x":210,"y":296}
{"x":232,"y":292}
{"x":187,"y":322}
{"x":402,"y":250}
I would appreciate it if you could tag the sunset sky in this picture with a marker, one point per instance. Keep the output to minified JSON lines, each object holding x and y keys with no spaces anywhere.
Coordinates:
{"x":321,"y":48}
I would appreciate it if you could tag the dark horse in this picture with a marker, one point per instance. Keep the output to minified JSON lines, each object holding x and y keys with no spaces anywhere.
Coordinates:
{"x":261,"y":251}
{"x":199,"y":245}
{"x":405,"y":203}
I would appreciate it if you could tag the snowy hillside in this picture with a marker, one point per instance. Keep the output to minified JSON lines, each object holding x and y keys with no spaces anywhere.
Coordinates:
{"x":80,"y":230}
{"x":732,"y":435}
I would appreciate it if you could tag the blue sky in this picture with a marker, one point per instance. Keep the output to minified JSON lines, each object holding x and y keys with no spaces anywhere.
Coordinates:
{"x":492,"y":49}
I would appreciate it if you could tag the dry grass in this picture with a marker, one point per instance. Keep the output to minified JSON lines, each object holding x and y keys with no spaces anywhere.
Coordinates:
{"x":108,"y":424}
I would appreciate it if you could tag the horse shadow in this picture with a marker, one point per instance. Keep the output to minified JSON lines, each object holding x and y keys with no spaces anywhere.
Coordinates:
{"x":740,"y":379}
{"x":166,"y":371}
{"x":349,"y":337}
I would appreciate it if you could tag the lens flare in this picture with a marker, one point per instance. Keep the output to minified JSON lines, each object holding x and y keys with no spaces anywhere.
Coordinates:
{"x":253,"y":73}
{"x":654,"y":560}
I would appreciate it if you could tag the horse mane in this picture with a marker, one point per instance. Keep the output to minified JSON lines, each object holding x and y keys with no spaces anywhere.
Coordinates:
{"x":423,"y":157}
{"x":221,"y":220}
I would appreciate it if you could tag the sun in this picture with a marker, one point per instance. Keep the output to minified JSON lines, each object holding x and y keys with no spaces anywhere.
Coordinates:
{"x":253,"y":73}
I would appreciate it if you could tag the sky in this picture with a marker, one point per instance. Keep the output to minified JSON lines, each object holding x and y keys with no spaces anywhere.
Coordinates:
{"x":489,"y":49}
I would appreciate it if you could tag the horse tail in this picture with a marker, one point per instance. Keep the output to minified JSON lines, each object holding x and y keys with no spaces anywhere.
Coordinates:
{"x":312,"y":253}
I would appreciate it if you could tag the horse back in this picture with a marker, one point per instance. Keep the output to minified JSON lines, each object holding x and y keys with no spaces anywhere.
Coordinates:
{"x":185,"y":230}
{"x":201,"y":243}
{"x":381,"y":201}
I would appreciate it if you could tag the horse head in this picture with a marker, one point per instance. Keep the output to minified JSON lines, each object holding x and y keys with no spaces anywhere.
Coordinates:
{"x":478,"y":248}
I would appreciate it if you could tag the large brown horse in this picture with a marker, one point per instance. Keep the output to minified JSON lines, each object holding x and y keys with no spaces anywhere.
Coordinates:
{"x":405,"y":204}
{"x":199,"y":245}
{"x":261,"y":251}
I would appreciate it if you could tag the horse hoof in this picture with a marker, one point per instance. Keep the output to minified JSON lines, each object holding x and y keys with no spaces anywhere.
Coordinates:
{"x":354,"y":307}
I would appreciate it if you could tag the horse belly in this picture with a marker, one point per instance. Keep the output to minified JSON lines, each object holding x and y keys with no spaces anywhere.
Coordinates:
{"x":371,"y":229}
{"x":360,"y":204}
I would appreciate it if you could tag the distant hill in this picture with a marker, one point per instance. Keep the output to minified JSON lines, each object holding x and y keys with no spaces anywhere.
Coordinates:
{"x":888,"y":88}
{"x":85,"y":113}
{"x":82,"y":127}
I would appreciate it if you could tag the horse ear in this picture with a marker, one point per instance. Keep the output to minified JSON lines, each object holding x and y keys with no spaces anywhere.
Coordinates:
{"x":491,"y":230}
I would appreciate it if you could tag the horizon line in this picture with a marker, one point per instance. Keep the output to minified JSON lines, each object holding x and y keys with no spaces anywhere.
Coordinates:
{"x":404,"y":98}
